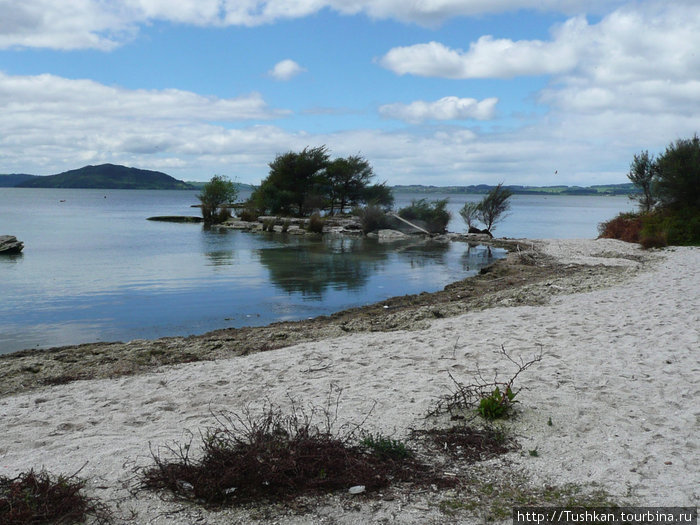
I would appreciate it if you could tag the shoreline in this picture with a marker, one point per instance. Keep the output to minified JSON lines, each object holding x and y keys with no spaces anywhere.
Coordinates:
{"x":610,"y":407}
{"x":526,"y":276}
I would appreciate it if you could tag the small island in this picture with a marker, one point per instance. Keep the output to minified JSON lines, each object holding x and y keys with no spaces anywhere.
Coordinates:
{"x":103,"y":176}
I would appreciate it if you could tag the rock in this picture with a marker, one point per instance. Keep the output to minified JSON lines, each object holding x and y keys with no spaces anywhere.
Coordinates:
{"x":482,"y":232}
{"x":9,"y":244}
{"x":357,"y":489}
{"x":390,"y":235}
{"x":175,"y":218}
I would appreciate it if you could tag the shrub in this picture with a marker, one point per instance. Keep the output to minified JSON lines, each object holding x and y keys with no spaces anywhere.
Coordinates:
{"x":494,"y":206}
{"x":385,"y":447}
{"x":215,"y":195}
{"x":43,"y":498}
{"x":432,"y":215}
{"x":274,"y":456}
{"x":625,"y":227}
{"x":372,"y":218}
{"x":497,"y":404}
{"x":315,"y":224}
{"x":470,"y":213}
{"x":491,"y":399}
{"x":248,"y":214}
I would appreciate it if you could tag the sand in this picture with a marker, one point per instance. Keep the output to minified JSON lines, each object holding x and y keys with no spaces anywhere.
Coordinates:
{"x":618,"y":380}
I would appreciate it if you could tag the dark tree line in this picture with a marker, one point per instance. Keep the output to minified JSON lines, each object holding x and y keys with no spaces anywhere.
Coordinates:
{"x":300,"y":183}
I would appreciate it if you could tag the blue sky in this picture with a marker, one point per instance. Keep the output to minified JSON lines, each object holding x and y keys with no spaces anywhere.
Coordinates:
{"x":443,"y":92}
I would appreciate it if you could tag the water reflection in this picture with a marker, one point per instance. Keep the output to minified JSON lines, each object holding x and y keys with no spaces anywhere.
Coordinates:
{"x":313,"y":268}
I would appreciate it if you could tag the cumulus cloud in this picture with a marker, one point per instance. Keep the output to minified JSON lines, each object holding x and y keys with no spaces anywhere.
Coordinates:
{"x":286,"y":70}
{"x":447,"y":108}
{"x":47,"y":119}
{"x":491,"y":58}
{"x":103,"y":25}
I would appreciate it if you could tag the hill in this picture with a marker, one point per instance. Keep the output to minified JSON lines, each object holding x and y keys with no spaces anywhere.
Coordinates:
{"x":12,"y":180}
{"x":107,"y":176}
{"x":603,"y":189}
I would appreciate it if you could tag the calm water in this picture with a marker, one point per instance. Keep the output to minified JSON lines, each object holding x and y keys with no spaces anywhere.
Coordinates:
{"x":93,"y":269}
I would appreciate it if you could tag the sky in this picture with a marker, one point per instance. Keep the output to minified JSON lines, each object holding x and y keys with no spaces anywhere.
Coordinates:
{"x":433,"y":92}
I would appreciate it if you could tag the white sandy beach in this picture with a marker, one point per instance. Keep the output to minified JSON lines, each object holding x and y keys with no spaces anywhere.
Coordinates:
{"x":619,"y":380}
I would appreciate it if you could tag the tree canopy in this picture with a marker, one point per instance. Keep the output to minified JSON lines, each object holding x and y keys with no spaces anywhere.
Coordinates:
{"x":215,"y":196}
{"x":301,"y":182}
{"x":490,"y":210}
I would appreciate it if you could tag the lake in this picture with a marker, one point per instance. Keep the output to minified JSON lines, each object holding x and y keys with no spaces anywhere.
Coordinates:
{"x":93,"y":269}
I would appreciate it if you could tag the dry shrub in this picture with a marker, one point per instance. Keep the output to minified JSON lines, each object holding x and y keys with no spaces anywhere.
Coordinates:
{"x":624,"y":227}
{"x":273,"y":457}
{"x":40,"y":498}
{"x":316,"y":223}
{"x":492,"y":399}
{"x":469,"y":443}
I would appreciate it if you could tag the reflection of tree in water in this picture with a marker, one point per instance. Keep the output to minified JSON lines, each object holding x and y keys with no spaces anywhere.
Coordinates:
{"x":312,"y":268}
{"x":422,"y":254}
{"x":212,"y":241}
{"x":477,"y":256}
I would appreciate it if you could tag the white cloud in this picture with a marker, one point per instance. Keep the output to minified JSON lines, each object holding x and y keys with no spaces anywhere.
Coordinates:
{"x":447,"y":108}
{"x":286,"y":70}
{"x":103,"y":25}
{"x":491,"y":58}
{"x":49,"y":120}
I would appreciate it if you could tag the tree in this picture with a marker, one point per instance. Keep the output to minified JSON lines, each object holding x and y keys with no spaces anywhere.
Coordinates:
{"x":378,"y":195}
{"x":294,"y":183}
{"x":643,"y":171}
{"x":433,"y":215}
{"x":347,"y":178}
{"x":493,"y":207}
{"x":215,"y":196}
{"x":677,"y":181}
{"x":470,"y":213}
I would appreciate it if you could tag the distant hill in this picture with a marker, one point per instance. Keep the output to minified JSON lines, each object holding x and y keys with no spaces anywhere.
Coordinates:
{"x":106,"y":176}
{"x":240,"y":186}
{"x":9,"y":181}
{"x":602,"y":189}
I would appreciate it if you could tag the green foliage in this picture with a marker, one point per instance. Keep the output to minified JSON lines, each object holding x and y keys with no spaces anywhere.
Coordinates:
{"x":489,"y":210}
{"x":497,"y":404}
{"x":669,"y":198}
{"x":385,"y":447}
{"x":347,"y":178}
{"x":215,"y":196}
{"x":378,"y":195}
{"x":300,"y":183}
{"x":372,"y":218}
{"x":677,"y":182}
{"x":643,"y":170}
{"x":470,"y":213}
{"x":433,"y":215}
{"x":292,"y":179}
{"x":494,"y":206}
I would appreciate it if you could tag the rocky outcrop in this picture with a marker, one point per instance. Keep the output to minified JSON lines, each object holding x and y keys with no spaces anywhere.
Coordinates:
{"x":10,"y":244}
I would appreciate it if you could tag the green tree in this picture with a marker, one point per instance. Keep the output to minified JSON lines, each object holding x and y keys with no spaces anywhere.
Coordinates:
{"x":432,"y":215}
{"x":494,"y":205}
{"x":295,"y":184}
{"x":215,"y":197}
{"x":347,"y":178}
{"x":643,"y":171}
{"x":470,"y":213}
{"x":378,"y":195}
{"x":677,"y":181}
